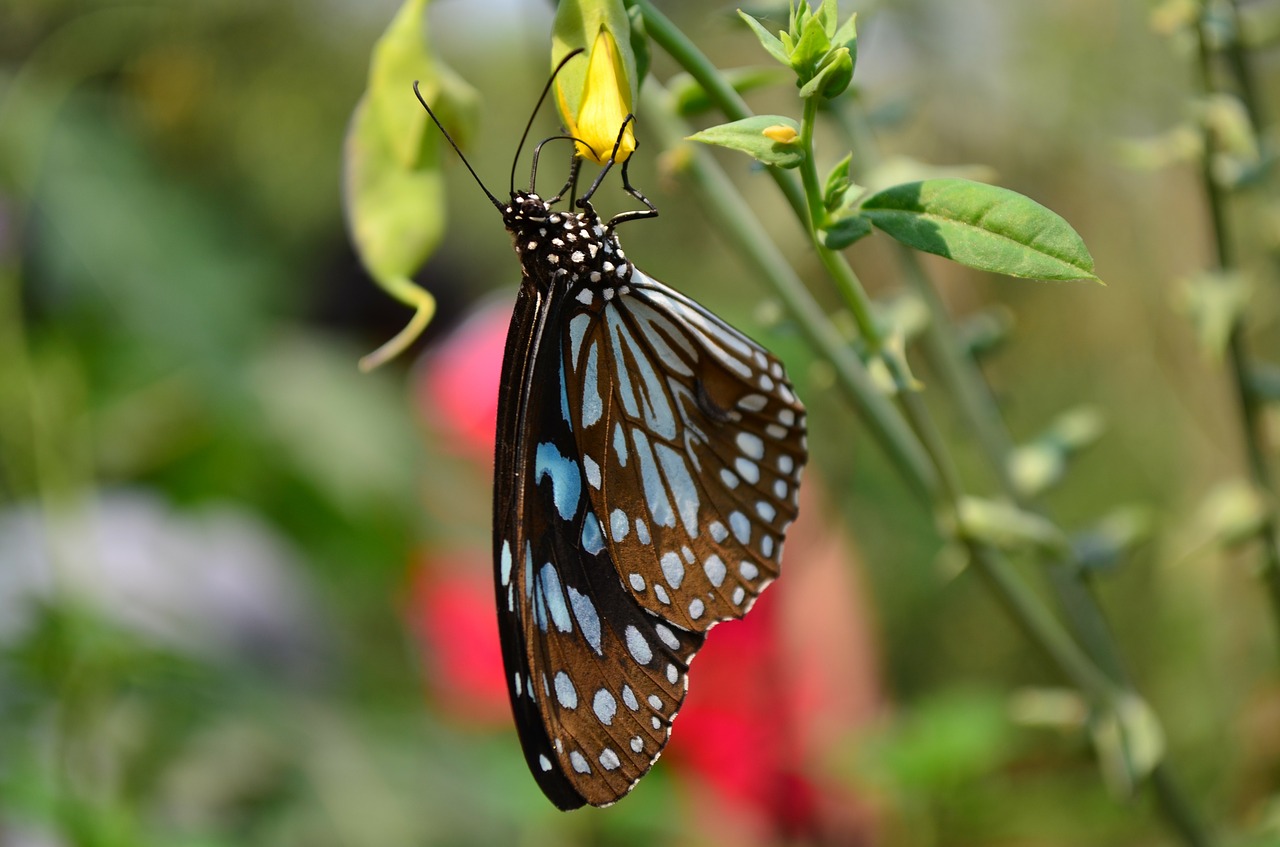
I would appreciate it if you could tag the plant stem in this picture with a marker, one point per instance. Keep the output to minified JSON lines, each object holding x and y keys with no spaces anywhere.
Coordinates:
{"x":749,"y":238}
{"x":963,"y":381}
{"x":847,"y":283}
{"x":727,"y":208}
{"x":1103,"y":690}
{"x":1247,"y":402}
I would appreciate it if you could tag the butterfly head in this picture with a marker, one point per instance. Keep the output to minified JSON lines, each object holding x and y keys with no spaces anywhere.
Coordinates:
{"x":555,"y":243}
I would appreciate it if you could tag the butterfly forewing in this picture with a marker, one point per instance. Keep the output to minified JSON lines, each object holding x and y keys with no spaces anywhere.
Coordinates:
{"x":693,"y":443}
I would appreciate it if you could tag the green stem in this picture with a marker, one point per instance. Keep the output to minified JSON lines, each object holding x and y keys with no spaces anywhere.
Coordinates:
{"x":1039,"y":625}
{"x":733,"y":216}
{"x":963,"y":381}
{"x":847,"y":283}
{"x":959,"y":374}
{"x":670,"y":38}
{"x":1249,"y":405}
{"x":1238,"y":58}
{"x":728,"y":209}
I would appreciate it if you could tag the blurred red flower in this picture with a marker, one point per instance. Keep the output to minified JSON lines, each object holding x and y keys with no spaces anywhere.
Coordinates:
{"x":457,"y":385}
{"x":773,"y":695}
{"x":449,"y":612}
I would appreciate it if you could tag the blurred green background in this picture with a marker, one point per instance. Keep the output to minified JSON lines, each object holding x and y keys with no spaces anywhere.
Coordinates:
{"x":215,"y":533}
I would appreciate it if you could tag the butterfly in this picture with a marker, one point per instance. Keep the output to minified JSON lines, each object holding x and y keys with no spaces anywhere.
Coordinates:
{"x":647,"y":469}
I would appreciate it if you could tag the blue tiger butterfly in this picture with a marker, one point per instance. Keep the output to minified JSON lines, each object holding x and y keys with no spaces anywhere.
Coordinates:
{"x":647,"y":468}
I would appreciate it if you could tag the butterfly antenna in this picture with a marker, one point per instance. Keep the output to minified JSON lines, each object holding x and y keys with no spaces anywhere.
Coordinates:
{"x":546,"y":89}
{"x":448,"y":138}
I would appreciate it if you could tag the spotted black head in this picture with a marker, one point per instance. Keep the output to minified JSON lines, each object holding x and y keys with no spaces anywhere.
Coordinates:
{"x":563,"y":244}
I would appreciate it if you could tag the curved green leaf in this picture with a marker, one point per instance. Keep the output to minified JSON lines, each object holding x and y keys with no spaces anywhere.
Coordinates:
{"x":747,"y":135}
{"x":772,"y":45}
{"x":395,"y":213}
{"x":399,"y":58}
{"x":982,"y":226}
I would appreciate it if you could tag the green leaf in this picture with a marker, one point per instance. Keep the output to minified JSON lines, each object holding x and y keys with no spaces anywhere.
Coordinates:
{"x":829,"y":16}
{"x":395,"y":213}
{"x":837,"y":181}
{"x":768,"y":40}
{"x":747,"y":136}
{"x":810,"y":50}
{"x":847,"y":35}
{"x":844,"y":231}
{"x":400,"y":57}
{"x":982,"y":226}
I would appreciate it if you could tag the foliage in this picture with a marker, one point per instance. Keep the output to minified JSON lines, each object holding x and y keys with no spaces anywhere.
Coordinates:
{"x":244,"y":589}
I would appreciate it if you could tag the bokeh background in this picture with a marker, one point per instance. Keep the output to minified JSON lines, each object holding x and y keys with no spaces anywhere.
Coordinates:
{"x":245,"y":590}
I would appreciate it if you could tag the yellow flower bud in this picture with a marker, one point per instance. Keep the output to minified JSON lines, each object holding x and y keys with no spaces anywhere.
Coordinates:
{"x":604,"y":104}
{"x":780,"y":133}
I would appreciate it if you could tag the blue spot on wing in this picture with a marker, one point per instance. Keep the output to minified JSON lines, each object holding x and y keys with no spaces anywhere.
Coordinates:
{"x":592,"y":540}
{"x":566,"y":479}
{"x":564,"y":399}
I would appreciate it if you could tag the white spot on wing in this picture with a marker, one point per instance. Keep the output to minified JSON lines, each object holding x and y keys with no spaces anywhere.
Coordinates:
{"x":672,"y":569}
{"x":668,"y":637}
{"x":592,"y":470}
{"x":715,"y":569}
{"x":619,"y":525}
{"x":604,"y":706}
{"x":566,"y":694}
{"x":588,"y":619}
{"x":638,"y":647}
{"x":751,"y":445}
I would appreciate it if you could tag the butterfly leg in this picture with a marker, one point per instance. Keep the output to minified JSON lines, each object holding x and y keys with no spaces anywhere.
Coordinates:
{"x":635,"y":214}
{"x":570,"y":184}
{"x":585,"y":202}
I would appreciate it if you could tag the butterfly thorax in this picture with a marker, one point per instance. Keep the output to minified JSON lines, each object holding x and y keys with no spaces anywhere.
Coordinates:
{"x":561,"y":246}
